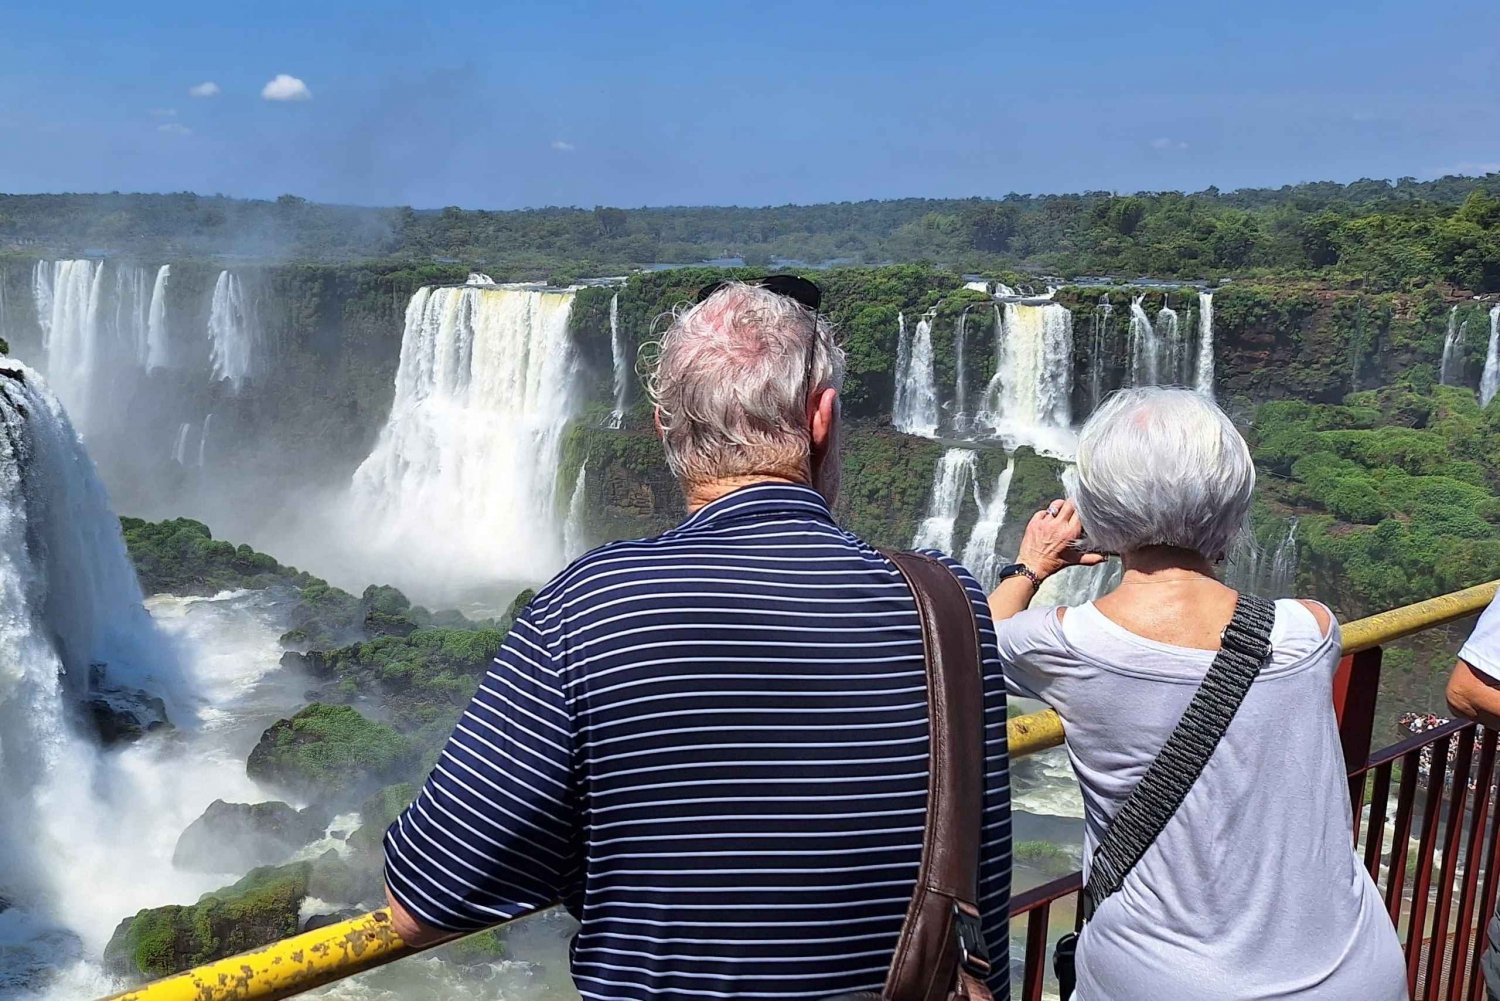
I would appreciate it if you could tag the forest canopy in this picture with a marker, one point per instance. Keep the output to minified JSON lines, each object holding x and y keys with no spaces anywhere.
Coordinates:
{"x":1385,"y":234}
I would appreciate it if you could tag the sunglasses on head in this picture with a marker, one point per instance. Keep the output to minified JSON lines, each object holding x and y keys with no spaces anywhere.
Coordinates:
{"x":799,"y":290}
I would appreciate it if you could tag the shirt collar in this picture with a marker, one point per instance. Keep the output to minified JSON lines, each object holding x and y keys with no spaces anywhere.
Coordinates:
{"x":759,"y":500}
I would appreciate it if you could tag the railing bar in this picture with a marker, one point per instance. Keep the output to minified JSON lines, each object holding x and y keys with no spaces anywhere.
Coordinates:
{"x":1380,"y":799}
{"x":1416,"y":927}
{"x":1491,"y":887}
{"x":1029,"y":900}
{"x":1406,"y":798}
{"x":1453,"y":832}
{"x":1416,"y":742}
{"x":1458,"y":973}
{"x":1036,"y":952}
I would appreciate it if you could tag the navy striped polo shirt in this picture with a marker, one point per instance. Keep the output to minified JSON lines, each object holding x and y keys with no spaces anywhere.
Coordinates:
{"x":712,"y":747}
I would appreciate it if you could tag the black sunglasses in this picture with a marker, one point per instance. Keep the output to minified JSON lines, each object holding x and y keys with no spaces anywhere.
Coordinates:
{"x":797,"y":289}
{"x":801,"y":291}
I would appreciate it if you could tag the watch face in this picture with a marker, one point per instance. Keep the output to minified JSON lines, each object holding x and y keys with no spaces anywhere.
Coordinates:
{"x":1011,"y":570}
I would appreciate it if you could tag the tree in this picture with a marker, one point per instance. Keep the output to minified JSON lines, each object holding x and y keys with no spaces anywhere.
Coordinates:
{"x":611,"y":221}
{"x":990,"y":226}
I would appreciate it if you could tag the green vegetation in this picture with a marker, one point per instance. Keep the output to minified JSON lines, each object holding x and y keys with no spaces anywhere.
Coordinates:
{"x":330,"y":754}
{"x":1383,"y":233}
{"x":1045,"y":857}
{"x":260,"y":908}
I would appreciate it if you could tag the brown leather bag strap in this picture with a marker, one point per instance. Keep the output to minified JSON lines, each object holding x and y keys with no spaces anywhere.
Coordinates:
{"x":941,"y":939}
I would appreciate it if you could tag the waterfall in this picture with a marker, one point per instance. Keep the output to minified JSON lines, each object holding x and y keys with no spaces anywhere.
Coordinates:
{"x":621,"y":365}
{"x":1203,"y":371}
{"x":179,"y":451}
{"x":462,"y":477}
{"x":1269,"y":570}
{"x":203,"y":439}
{"x":960,"y":378}
{"x":68,"y":295}
{"x":155,"y":355}
{"x":1099,"y":337}
{"x":978,"y":287}
{"x":575,"y":541}
{"x":1028,"y":400}
{"x":231,"y":330}
{"x":951,"y":482}
{"x":1172,"y":363}
{"x":1144,"y":349}
{"x":1489,"y":384}
{"x":916,"y":405}
{"x":979,"y":552}
{"x":1450,"y":348}
{"x":70,"y":620}
{"x":132,"y":311}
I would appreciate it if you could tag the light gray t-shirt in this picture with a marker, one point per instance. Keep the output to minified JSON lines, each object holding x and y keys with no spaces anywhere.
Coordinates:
{"x":1254,"y":889}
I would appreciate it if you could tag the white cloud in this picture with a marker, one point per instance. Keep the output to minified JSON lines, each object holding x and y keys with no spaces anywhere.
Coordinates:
{"x":163,"y":112}
{"x":1165,"y":143}
{"x":286,"y":88}
{"x":174,"y":129}
{"x":205,"y":89}
{"x":563,"y":146}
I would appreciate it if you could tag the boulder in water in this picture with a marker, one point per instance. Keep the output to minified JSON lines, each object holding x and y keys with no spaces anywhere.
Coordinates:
{"x":261,"y":908}
{"x":233,"y":837}
{"x":331,"y":754}
{"x":121,"y":715}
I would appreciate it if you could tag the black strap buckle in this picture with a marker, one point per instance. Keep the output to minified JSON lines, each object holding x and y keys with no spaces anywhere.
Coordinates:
{"x":973,"y":952}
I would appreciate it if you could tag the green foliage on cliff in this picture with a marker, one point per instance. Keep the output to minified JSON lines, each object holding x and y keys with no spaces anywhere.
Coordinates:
{"x":330,"y":753}
{"x":181,"y":556}
{"x":258,"y":909}
{"x":886,"y":482}
{"x":1397,"y":488}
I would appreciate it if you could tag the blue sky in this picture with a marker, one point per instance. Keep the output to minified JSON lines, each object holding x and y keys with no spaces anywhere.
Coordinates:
{"x":505,"y":105}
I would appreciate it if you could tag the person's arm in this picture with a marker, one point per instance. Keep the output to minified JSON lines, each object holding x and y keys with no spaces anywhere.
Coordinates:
{"x":1049,"y":545}
{"x":493,"y":833}
{"x":1474,"y":686}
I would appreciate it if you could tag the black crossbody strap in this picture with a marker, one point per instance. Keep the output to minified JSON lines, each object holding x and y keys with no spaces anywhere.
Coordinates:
{"x":1244,"y":649}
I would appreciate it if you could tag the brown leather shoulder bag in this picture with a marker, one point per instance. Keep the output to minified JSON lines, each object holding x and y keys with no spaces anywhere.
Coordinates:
{"x":941,"y":953}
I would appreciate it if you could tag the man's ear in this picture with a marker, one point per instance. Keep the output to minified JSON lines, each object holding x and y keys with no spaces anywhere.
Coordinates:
{"x":823,"y":418}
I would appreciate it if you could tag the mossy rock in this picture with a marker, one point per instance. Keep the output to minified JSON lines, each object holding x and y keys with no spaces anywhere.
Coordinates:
{"x":259,"y":909}
{"x":231,"y":837}
{"x":330,"y":754}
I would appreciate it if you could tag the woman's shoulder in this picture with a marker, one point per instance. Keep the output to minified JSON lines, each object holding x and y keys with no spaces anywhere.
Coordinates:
{"x":1304,"y":629}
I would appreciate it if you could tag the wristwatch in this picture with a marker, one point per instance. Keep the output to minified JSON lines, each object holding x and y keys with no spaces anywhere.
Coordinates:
{"x":1020,"y":570}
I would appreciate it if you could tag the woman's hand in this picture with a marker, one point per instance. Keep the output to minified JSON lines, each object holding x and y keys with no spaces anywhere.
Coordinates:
{"x":1051,"y":538}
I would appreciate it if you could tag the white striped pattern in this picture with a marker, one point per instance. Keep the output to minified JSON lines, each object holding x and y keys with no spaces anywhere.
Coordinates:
{"x":712,"y":746}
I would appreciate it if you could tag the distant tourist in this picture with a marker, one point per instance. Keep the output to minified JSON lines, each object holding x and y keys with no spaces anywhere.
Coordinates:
{"x":711,"y":745}
{"x":1474,"y":692}
{"x":1251,"y":888}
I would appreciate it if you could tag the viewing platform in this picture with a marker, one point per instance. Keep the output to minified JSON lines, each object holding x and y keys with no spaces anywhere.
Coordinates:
{"x":1431,"y":843}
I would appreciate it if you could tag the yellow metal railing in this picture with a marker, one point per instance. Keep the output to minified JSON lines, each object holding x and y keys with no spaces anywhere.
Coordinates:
{"x":319,"y":957}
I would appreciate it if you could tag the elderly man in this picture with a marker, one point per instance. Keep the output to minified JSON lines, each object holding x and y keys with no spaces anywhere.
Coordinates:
{"x":711,"y":746}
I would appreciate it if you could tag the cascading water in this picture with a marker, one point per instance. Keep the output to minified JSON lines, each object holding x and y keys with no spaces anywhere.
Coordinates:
{"x":1172,"y":364}
{"x":155,"y":355}
{"x":951,"y":482}
{"x":232,"y":331}
{"x":461,"y":481}
{"x":1453,"y":342}
{"x":916,"y":405}
{"x":980,"y":556}
{"x":132,"y":302}
{"x":621,"y":363}
{"x":575,"y":542}
{"x":179,"y":451}
{"x":1103,"y":320}
{"x":1489,"y":383}
{"x":1028,"y":399}
{"x":978,"y":287}
{"x":1145,"y":353}
{"x":1203,"y":371}
{"x":1268,"y":568}
{"x":203,"y":439}
{"x":960,"y":377}
{"x":68,"y":295}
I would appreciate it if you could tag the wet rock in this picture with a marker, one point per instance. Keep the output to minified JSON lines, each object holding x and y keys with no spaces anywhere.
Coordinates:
{"x":122,"y":715}
{"x":233,"y":837}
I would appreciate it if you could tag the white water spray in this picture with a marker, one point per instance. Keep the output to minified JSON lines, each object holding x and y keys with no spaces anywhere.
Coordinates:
{"x":621,"y":363}
{"x":68,"y":295}
{"x":460,"y":484}
{"x":1172,"y":363}
{"x":232,"y":331}
{"x":1203,"y":371}
{"x":916,"y":405}
{"x":952,"y":481}
{"x":1489,"y":383}
{"x":960,"y":376}
{"x":155,"y":355}
{"x":1028,"y":399}
{"x":980,"y":556}
{"x":203,"y":439}
{"x":575,"y":542}
{"x":1145,"y":352}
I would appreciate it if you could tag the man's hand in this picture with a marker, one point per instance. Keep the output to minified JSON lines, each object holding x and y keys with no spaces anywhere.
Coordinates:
{"x":413,"y":931}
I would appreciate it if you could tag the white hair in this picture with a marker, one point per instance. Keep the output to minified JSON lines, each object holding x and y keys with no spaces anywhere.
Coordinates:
{"x":732,"y":380}
{"x":1162,"y":467}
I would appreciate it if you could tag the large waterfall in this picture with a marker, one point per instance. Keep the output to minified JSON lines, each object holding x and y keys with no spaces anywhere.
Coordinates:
{"x":1489,"y":383}
{"x":916,"y":404}
{"x":232,"y":330}
{"x":980,"y":555}
{"x":1145,"y":354}
{"x":1028,"y":399}
{"x":461,"y":483}
{"x":68,"y":299}
{"x":952,"y":481}
{"x":1203,"y":371}
{"x":620,"y":361}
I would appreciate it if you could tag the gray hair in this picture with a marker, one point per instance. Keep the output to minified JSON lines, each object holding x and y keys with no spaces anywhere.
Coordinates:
{"x":731,"y":382}
{"x":1162,"y":467}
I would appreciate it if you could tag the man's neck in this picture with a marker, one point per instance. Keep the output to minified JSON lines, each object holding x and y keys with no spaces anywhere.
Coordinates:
{"x":701,"y":494}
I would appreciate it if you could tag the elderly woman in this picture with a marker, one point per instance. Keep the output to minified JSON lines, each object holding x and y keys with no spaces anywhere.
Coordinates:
{"x":1252,"y":889}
